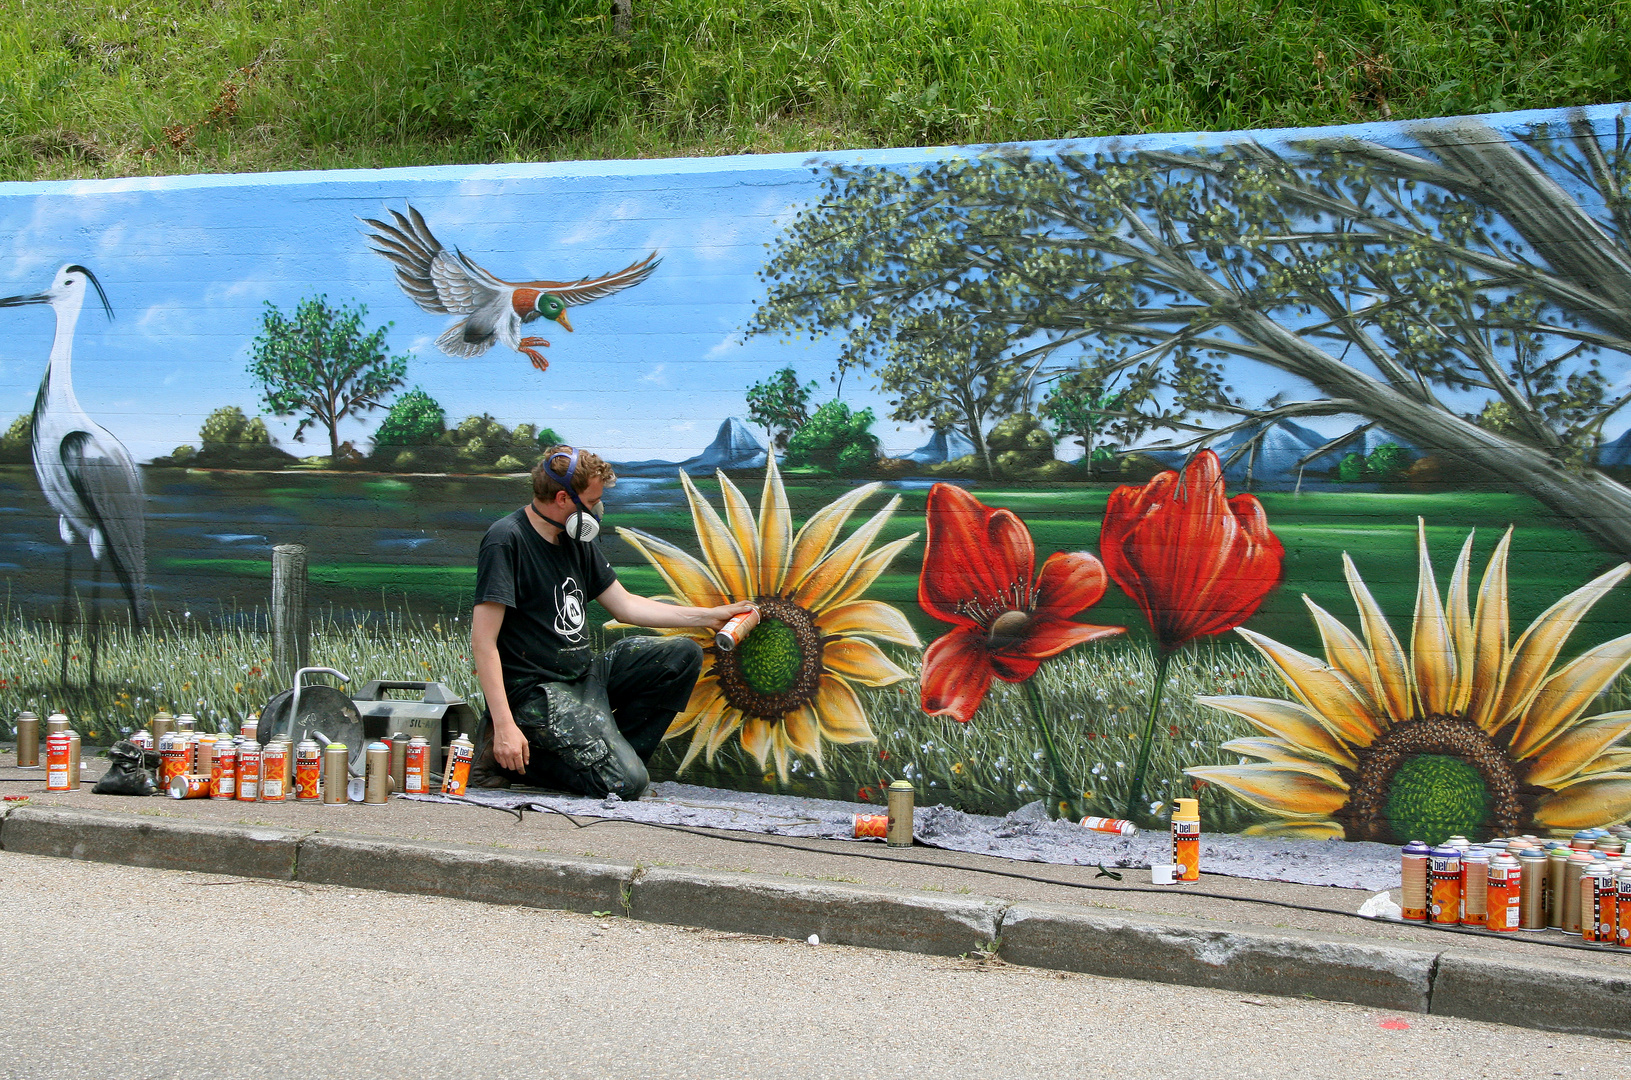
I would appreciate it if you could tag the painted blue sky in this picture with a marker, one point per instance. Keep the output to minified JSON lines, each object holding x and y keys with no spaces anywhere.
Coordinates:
{"x":189,"y":262}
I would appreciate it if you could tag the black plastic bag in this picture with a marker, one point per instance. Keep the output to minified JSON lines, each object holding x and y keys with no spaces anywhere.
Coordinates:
{"x":127,"y":772}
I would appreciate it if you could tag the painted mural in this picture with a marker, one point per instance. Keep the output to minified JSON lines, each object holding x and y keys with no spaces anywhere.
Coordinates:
{"x":1087,"y":474}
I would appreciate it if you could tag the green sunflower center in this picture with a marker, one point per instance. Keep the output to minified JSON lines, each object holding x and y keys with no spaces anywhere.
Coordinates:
{"x":770,"y":659}
{"x":778,"y":668}
{"x":1434,"y":797}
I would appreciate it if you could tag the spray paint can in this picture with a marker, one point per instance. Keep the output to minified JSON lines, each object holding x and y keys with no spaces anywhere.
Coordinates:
{"x":1117,"y":826}
{"x":141,"y":740}
{"x":376,"y":773}
{"x":335,"y":761}
{"x":186,"y":722}
{"x":1413,"y":899}
{"x":274,"y":768}
{"x":399,"y":762}
{"x":160,"y":724}
{"x":1584,"y":840}
{"x":56,"y":761}
{"x":1474,"y":887}
{"x":456,"y":772}
{"x":1532,"y":873}
{"x":1504,"y":893}
{"x":76,"y":767}
{"x":204,"y":755}
{"x":1557,"y":859}
{"x":250,"y":727}
{"x":736,"y":631}
{"x":901,"y":797}
{"x":1444,"y":886}
{"x":870,"y":826}
{"x":174,"y":758}
{"x":224,"y":771}
{"x":416,"y":766}
{"x":1597,"y":920}
{"x":189,"y":786}
{"x":1579,"y":862}
{"x":249,"y":771}
{"x":308,"y":771}
{"x":1622,"y":933}
{"x":1186,"y":840}
{"x":28,"y":741}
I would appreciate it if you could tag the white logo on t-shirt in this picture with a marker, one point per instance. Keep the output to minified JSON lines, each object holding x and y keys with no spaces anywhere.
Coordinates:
{"x":569,"y":616}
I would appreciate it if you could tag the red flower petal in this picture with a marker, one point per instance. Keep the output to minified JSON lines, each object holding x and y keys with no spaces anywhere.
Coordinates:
{"x":1069,"y":583}
{"x":956,"y":674}
{"x":972,"y":553}
{"x":1050,"y":637}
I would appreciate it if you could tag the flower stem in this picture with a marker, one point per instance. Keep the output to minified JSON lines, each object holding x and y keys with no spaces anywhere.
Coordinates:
{"x":1135,"y":790}
{"x":1064,"y":791}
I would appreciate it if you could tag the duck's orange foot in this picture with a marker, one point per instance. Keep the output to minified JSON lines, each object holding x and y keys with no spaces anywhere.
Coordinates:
{"x":534,"y":355}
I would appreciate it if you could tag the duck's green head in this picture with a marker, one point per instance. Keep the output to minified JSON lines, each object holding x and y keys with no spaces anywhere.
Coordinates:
{"x":551,"y":306}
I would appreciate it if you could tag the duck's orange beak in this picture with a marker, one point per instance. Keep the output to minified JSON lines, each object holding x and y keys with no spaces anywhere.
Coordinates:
{"x":561,"y":318}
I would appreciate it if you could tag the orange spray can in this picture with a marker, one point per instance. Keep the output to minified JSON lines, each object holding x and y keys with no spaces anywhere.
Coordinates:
{"x":1186,"y":840}
{"x":224,"y":771}
{"x":249,"y":771}
{"x":1413,"y":878}
{"x":308,"y":771}
{"x":456,"y":777}
{"x":416,"y":767}
{"x":274,"y":770}
{"x":1444,"y":886}
{"x":1622,"y":931}
{"x":1503,"y":894}
{"x":56,"y":761}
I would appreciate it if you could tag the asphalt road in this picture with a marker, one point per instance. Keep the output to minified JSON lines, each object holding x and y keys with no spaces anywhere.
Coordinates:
{"x":111,"y":971}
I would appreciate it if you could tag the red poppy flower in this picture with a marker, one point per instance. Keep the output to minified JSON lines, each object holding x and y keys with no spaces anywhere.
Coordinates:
{"x":1197,"y":563}
{"x":977,"y":576}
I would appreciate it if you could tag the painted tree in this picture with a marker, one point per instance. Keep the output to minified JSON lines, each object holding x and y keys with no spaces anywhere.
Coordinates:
{"x":780,"y":405}
{"x":954,"y":376}
{"x":322,"y":365}
{"x":1409,"y":287}
{"x":415,"y":419}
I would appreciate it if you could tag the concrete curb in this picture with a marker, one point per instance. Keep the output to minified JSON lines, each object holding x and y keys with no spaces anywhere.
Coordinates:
{"x":1578,"y":998}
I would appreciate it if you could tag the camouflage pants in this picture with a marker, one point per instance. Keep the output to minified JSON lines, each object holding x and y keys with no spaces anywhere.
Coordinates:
{"x":594,"y":736}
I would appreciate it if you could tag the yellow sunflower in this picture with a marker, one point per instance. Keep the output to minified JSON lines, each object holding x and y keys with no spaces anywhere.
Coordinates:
{"x":790,"y":684}
{"x":1462,"y":735}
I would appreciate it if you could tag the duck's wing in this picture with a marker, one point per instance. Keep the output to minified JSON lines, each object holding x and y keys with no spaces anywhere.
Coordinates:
{"x":439,"y":281}
{"x":586,"y":289}
{"x":110,"y":489}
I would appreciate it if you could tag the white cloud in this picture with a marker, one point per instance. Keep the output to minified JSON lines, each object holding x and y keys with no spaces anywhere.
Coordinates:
{"x":689,"y":425}
{"x":731,"y":339}
{"x":655,"y":375}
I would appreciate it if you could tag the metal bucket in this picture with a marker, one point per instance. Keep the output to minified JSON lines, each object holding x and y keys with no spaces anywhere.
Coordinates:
{"x":437,"y":714}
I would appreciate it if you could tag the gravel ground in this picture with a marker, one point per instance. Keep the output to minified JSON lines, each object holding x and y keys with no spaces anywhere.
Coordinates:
{"x":121,"y":972}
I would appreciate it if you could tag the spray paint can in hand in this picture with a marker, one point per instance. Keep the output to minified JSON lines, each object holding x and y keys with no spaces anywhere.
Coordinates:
{"x":335,"y":775}
{"x":376,"y":773}
{"x":1503,"y":893}
{"x":1532,"y":868}
{"x":416,"y":767}
{"x":1413,"y":877}
{"x":456,"y":776}
{"x":901,"y":797}
{"x":308,"y":771}
{"x":1186,"y":840}
{"x":56,"y":761}
{"x":736,"y":631}
{"x":224,"y":771}
{"x":1444,"y":885}
{"x":28,"y":741}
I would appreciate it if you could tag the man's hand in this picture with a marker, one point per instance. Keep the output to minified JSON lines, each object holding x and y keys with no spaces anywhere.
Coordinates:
{"x":510,"y":747}
{"x":715,"y":618}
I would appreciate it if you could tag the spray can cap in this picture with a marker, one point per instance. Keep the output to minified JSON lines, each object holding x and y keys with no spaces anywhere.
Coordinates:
{"x":1532,"y":853}
{"x":901,"y":785}
{"x":336,"y":746}
{"x":1188,"y":810}
{"x":1415,"y":847}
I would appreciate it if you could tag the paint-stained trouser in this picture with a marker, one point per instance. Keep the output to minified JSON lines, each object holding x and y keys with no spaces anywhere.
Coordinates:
{"x":594,"y":736}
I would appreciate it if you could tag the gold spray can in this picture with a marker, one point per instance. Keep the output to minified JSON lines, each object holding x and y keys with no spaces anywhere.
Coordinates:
{"x":334,"y":774}
{"x":28,"y":741}
{"x":1556,"y":860}
{"x":399,"y":762}
{"x":377,"y":773}
{"x":161,"y":723}
{"x":76,"y":768}
{"x":901,"y":797}
{"x":1531,"y":906}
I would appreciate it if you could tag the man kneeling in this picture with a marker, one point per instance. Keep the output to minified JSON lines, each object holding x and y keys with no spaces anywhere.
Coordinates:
{"x":558,"y":716}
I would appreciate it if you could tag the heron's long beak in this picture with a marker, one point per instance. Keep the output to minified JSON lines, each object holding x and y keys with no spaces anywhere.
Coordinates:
{"x":19,"y":301}
{"x":561,"y":318}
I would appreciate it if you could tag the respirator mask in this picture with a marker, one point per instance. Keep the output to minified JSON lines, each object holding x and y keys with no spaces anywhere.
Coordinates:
{"x":583,"y":524}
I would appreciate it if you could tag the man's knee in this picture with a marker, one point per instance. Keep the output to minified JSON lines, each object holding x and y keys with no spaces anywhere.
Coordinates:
{"x":625,"y":774}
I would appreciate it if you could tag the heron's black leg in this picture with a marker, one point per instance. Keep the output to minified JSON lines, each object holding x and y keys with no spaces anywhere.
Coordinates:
{"x":67,"y":594}
{"x":95,"y":628}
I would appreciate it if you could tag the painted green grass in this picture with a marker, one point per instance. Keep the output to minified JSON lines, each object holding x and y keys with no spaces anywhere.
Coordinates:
{"x":168,"y":86}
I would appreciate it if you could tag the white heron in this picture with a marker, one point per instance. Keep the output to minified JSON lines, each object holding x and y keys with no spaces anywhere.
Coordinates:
{"x":87,"y":475}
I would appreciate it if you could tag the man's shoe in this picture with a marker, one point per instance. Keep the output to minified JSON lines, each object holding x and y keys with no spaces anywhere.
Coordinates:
{"x":484,"y":768}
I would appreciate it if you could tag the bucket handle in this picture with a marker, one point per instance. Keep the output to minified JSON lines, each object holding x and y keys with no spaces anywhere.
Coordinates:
{"x":294,"y":705}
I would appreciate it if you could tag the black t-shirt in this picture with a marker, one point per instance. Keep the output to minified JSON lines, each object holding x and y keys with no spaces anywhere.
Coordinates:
{"x":547,"y":588}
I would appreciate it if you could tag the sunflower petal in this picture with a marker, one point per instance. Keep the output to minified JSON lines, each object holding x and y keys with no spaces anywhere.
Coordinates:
{"x":1568,"y":694}
{"x":1390,"y":673}
{"x":1491,"y":630}
{"x":1568,"y":755}
{"x":1617,"y":759}
{"x":861,"y":661}
{"x":719,"y":547}
{"x":1345,"y":712}
{"x":1343,"y":650}
{"x":775,"y":530}
{"x":828,"y":577}
{"x":1275,"y":751}
{"x":694,"y":582}
{"x":1284,"y":720}
{"x":1301,"y":830}
{"x":823,"y":527}
{"x":1461,"y":635}
{"x":1535,"y":651}
{"x":804,"y":734}
{"x":867,"y":571}
{"x":705,"y":695}
{"x":729,"y":720}
{"x":839,"y":713}
{"x":1431,"y":649}
{"x":756,"y":739}
{"x":739,"y":515}
{"x":871,"y":618}
{"x":1278,"y":789}
{"x":1601,"y":800}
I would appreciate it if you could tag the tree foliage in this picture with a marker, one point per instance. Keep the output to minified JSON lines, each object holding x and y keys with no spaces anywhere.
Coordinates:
{"x":954,"y":377}
{"x":228,"y":428}
{"x":780,"y":405}
{"x":16,"y":444}
{"x":323,"y":366}
{"x":415,"y":419}
{"x":835,"y":440}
